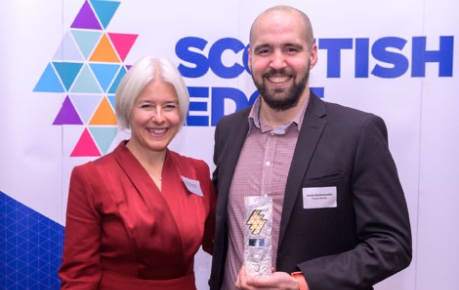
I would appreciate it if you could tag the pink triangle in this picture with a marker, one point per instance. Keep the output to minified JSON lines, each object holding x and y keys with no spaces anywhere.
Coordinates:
{"x":122,"y":43}
{"x":67,"y":115}
{"x":85,"y":147}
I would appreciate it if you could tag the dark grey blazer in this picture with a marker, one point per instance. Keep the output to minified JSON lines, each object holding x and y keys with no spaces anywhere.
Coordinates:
{"x":362,"y":241}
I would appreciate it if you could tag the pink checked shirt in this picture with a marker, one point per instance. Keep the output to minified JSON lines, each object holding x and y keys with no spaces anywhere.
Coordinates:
{"x":262,"y":169}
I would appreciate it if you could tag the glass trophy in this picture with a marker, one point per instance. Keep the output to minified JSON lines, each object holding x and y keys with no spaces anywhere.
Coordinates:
{"x":257,"y":235}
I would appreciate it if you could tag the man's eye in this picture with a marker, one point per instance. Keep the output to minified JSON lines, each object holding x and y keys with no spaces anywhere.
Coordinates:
{"x":263,"y":51}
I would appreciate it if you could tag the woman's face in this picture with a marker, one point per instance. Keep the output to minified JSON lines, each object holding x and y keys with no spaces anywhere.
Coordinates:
{"x":155,"y":116}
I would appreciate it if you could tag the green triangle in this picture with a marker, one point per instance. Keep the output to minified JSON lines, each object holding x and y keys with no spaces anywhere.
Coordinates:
{"x":86,"y":40}
{"x":86,"y":83}
{"x":103,"y":136}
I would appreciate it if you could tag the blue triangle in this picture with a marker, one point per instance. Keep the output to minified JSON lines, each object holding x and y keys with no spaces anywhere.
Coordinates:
{"x":68,"y":72}
{"x":112,"y":101}
{"x":116,"y":82}
{"x":104,"y":73}
{"x":105,"y":10}
{"x":49,"y":82}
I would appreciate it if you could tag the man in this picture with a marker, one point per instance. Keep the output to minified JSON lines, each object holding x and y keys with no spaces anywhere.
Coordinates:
{"x":340,"y":219}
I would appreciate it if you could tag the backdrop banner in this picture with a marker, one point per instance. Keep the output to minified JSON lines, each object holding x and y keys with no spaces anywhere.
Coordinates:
{"x":62,"y":62}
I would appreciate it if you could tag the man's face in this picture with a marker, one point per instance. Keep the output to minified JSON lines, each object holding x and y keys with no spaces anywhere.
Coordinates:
{"x":280,"y":58}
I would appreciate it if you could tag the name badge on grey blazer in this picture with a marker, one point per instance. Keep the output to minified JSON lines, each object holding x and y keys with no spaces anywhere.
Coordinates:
{"x":319,"y":197}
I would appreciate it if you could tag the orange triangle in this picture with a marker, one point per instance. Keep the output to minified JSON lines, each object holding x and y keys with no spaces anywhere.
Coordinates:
{"x":86,"y":146}
{"x":104,"y":51}
{"x":104,"y":114}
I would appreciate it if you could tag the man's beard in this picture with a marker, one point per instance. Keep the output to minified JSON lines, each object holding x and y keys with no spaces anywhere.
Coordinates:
{"x":292,"y":95}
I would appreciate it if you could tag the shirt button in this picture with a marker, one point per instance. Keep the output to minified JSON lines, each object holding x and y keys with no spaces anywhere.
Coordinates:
{"x":268,"y":163}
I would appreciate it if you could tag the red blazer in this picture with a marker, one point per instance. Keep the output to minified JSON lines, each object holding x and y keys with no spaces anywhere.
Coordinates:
{"x":122,"y":232}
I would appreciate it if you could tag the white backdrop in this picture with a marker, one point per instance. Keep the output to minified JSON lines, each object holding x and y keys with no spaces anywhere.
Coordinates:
{"x":419,"y":107}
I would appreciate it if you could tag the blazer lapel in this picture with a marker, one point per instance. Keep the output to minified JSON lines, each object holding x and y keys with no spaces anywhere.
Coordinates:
{"x":310,"y":132}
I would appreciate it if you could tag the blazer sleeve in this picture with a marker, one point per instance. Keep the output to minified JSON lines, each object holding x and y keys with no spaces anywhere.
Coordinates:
{"x":381,"y":216}
{"x":209,"y":228}
{"x":80,"y":268}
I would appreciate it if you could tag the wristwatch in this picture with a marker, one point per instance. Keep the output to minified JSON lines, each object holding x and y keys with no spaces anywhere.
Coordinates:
{"x":301,"y":280}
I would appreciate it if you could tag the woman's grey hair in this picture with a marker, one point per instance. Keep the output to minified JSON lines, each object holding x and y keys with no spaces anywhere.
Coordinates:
{"x":138,"y":76}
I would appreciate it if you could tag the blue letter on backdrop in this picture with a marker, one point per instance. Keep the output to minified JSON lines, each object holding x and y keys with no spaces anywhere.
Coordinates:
{"x":444,"y":56}
{"x":182,"y":49}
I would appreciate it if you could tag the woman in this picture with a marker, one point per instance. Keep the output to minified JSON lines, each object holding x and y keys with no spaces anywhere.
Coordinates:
{"x":137,"y":216}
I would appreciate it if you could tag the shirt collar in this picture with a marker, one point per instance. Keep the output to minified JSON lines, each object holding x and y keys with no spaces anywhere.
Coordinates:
{"x":254,"y":120}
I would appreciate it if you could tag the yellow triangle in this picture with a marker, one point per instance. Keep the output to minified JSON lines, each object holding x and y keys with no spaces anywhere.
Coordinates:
{"x":104,"y":51}
{"x":104,"y":114}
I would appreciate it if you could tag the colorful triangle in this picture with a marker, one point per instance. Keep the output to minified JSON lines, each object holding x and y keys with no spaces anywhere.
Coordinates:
{"x":49,"y":82}
{"x":111,"y":99}
{"x":85,"y":105}
{"x":86,"y":40}
{"x":105,"y":10}
{"x":85,"y":146}
{"x":123,"y":43}
{"x":73,"y":70}
{"x":67,"y":114}
{"x":116,"y":82}
{"x":86,"y":19}
{"x":68,"y":51}
{"x":67,"y":72}
{"x":104,"y":51}
{"x":105,"y":73}
{"x":86,"y":83}
{"x":104,"y":114}
{"x":103,"y":136}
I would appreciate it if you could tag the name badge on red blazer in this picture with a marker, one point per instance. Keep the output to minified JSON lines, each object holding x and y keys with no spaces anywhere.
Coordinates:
{"x":192,"y":185}
{"x":319,"y":197}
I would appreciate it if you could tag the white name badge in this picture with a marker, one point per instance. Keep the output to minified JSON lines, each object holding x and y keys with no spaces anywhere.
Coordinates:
{"x":319,"y":197}
{"x":193,"y":185}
